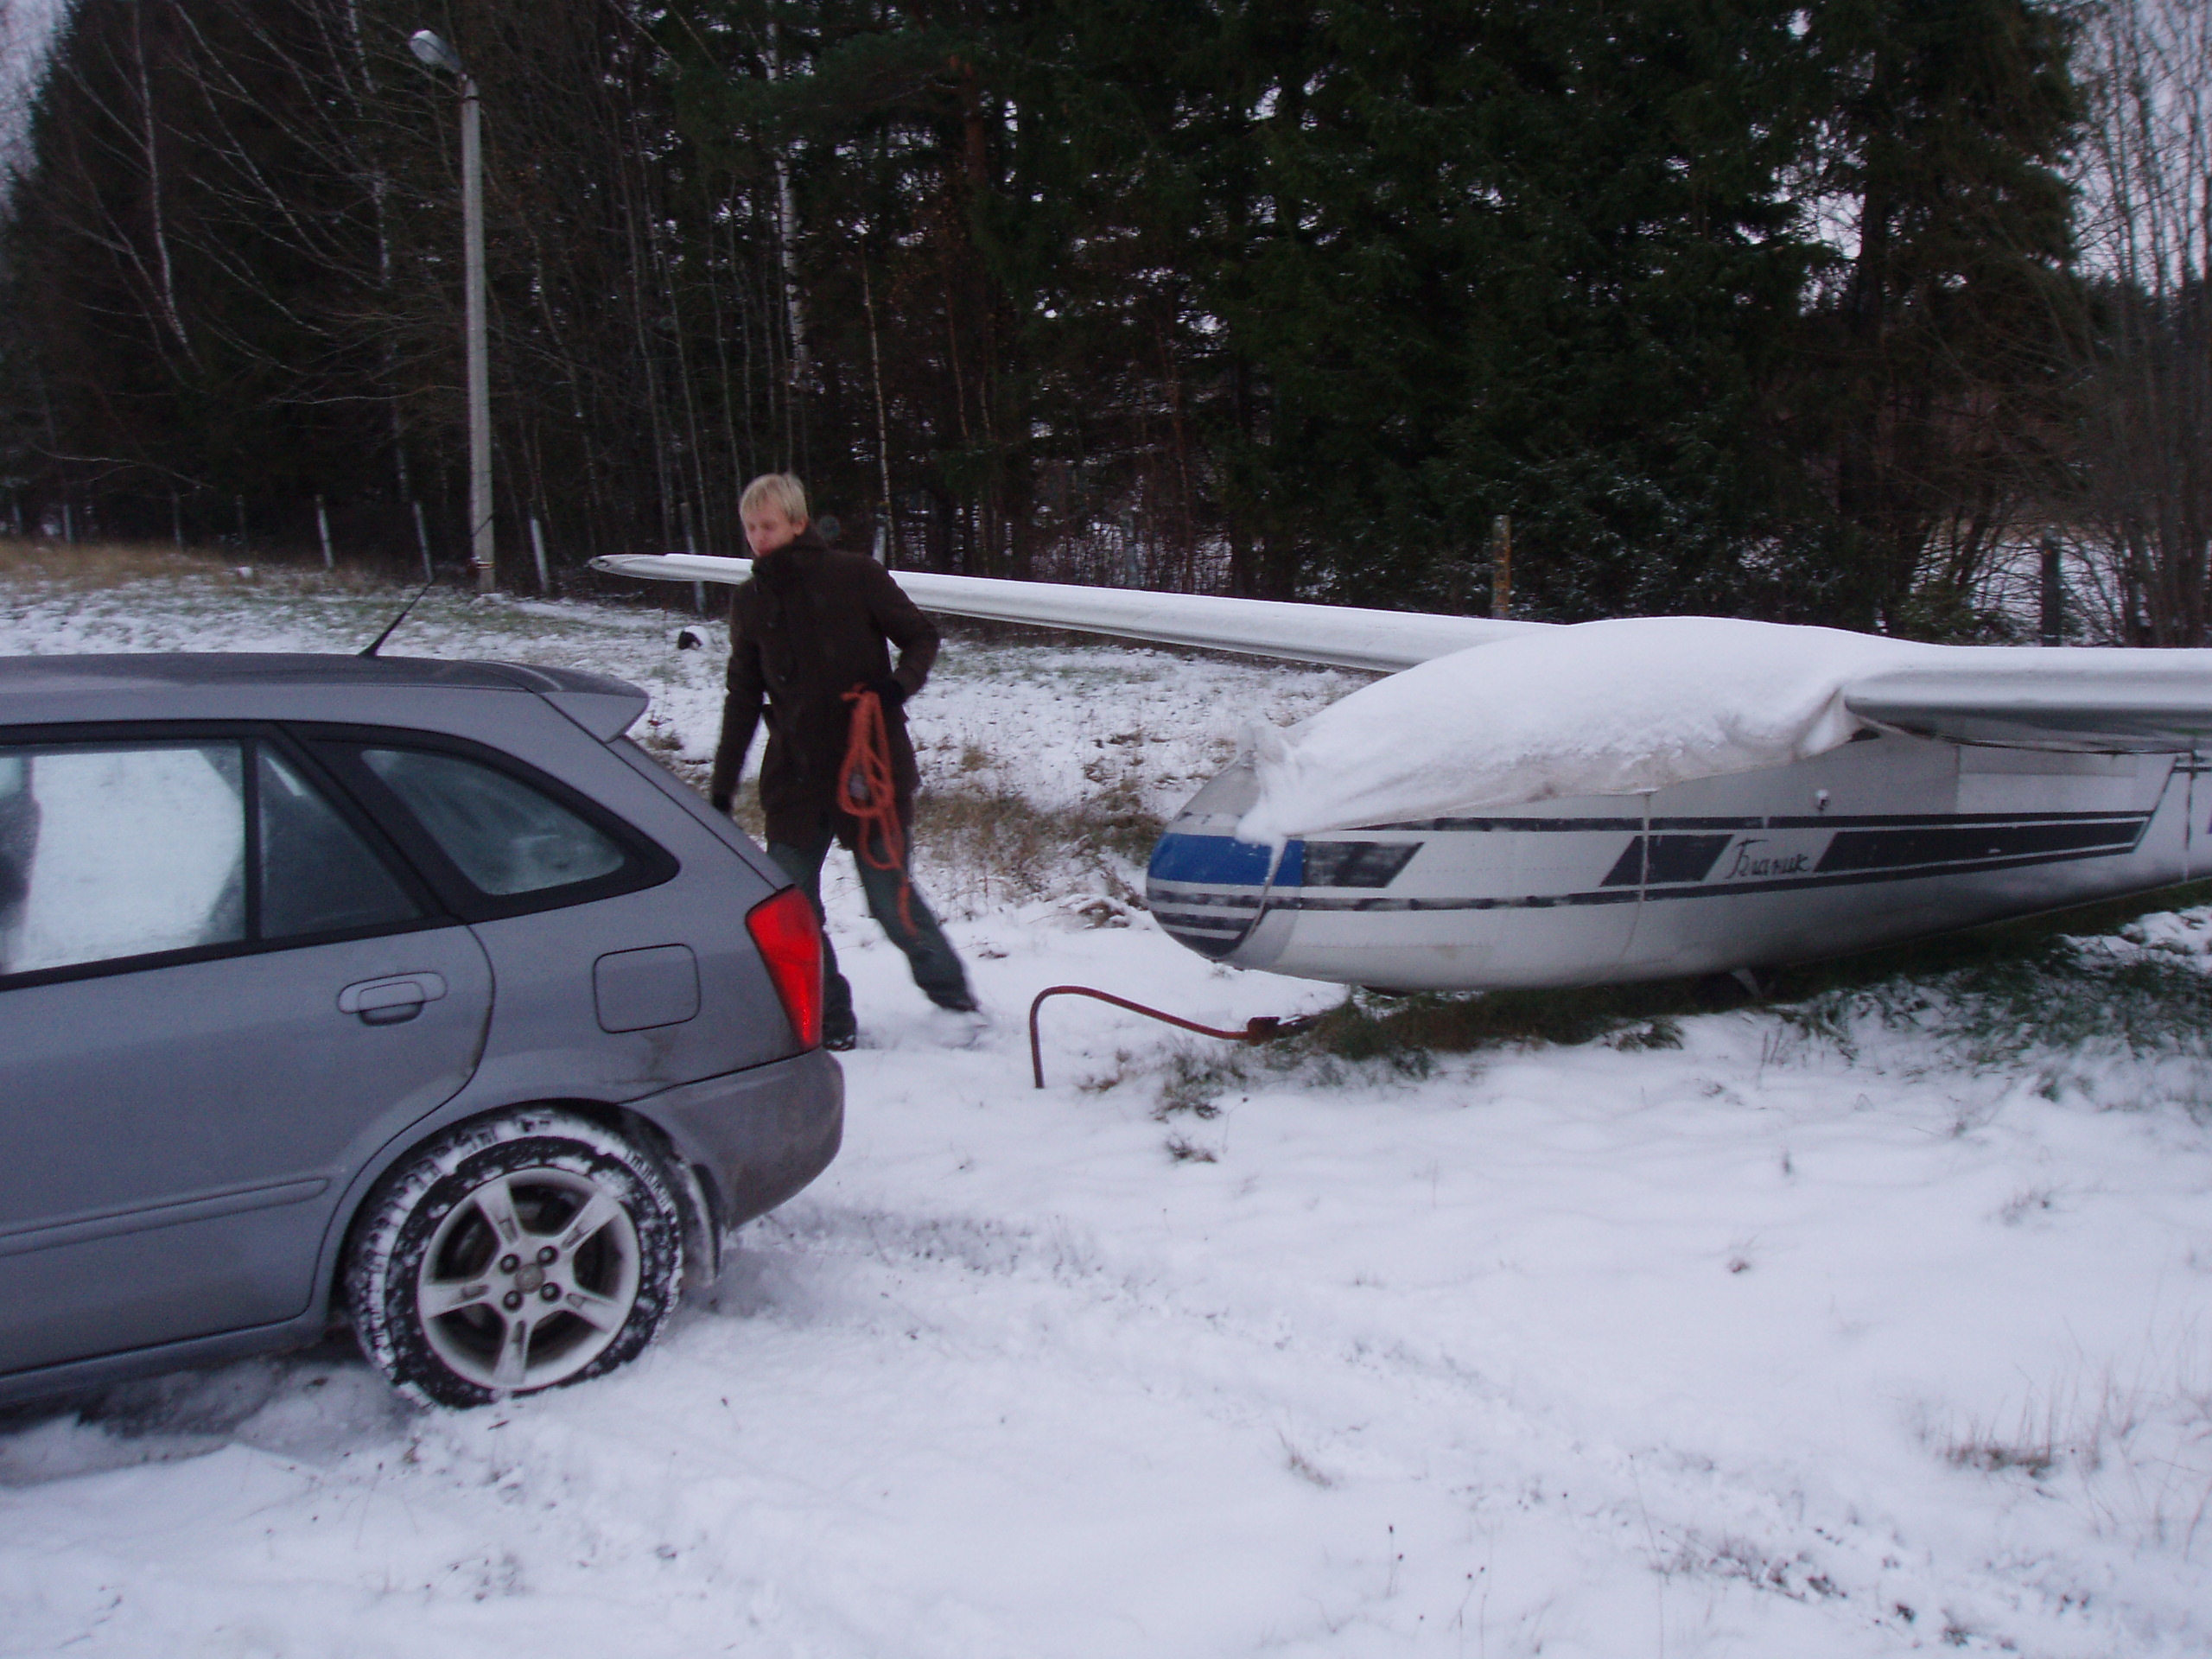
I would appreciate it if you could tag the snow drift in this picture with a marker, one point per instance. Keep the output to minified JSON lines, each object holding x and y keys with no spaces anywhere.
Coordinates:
{"x":1598,"y":709}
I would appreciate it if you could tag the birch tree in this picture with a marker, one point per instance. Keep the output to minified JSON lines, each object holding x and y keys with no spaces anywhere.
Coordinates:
{"x":2143,"y":510}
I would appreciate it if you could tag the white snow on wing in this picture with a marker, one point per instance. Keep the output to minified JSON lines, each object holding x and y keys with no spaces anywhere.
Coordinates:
{"x":1337,"y":635}
{"x":1599,"y":708}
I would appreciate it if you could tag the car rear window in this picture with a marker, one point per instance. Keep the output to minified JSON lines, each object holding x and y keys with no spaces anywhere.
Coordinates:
{"x":505,"y":838}
{"x":317,"y":875}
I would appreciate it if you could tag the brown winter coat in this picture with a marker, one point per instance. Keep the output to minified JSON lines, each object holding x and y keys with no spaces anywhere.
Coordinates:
{"x":810,"y":626}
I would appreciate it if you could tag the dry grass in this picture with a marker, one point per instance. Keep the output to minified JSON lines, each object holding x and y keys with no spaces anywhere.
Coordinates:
{"x":980,"y":845}
{"x":2132,"y":1450}
{"x":94,"y":566}
{"x":977,"y":847}
{"x":1183,"y":1150}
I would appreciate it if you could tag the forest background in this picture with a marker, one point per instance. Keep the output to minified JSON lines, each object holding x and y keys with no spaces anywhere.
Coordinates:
{"x":1824,"y":311}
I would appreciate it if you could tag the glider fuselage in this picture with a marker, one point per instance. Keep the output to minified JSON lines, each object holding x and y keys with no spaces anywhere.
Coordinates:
{"x":1883,"y":839}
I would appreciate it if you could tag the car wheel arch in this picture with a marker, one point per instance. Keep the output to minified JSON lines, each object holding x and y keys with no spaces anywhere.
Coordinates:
{"x":449,"y":1293}
{"x":702,"y":1235}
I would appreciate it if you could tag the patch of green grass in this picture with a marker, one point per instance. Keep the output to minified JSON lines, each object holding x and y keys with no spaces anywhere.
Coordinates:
{"x":2063,"y":993}
{"x":2049,"y":982}
{"x":1982,"y":947}
{"x":1997,"y":991}
{"x":1379,"y":1025}
{"x":1194,"y":1077}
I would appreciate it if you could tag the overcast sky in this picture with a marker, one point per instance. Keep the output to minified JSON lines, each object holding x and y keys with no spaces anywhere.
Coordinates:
{"x":25,"y":27}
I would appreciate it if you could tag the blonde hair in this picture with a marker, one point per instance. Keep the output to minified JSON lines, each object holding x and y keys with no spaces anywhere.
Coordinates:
{"x":778,"y":490}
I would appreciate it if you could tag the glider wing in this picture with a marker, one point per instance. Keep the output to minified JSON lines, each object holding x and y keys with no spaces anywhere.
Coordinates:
{"x":1380,"y":641}
{"x":2095,"y":700}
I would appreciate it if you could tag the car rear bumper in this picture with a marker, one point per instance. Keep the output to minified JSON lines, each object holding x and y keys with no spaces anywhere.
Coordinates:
{"x":755,"y":1137}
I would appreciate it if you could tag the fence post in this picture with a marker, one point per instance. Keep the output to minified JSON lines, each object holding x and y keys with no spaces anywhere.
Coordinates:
{"x":537,"y":547}
{"x":691,"y":546}
{"x":2054,"y":593}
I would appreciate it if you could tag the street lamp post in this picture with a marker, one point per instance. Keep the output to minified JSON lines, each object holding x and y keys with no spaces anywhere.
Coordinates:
{"x":436,"y":55}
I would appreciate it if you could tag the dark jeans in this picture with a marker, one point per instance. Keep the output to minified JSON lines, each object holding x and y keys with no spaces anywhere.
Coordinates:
{"x":937,"y":970}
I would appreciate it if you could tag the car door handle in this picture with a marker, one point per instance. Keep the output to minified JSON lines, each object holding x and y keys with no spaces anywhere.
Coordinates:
{"x":387,"y":1001}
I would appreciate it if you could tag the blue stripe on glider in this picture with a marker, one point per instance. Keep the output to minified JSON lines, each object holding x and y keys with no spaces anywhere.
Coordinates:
{"x":1222,"y":861}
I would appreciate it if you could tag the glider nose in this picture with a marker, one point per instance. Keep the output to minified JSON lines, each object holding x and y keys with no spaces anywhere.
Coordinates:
{"x":1207,"y":889}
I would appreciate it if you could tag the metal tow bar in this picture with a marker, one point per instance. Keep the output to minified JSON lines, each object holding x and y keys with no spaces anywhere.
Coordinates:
{"x":1263,"y":1028}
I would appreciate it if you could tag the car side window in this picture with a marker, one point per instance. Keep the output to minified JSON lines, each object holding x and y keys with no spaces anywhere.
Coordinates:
{"x":119,"y":850}
{"x":317,"y":875}
{"x":505,"y":838}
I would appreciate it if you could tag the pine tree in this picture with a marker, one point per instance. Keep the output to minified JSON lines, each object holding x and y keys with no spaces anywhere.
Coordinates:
{"x":1936,"y":363}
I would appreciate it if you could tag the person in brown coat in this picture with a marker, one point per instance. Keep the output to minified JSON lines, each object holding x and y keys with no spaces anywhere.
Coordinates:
{"x":810,"y":625}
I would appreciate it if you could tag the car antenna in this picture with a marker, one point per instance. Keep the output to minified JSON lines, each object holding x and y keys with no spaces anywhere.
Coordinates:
{"x":377,"y":644}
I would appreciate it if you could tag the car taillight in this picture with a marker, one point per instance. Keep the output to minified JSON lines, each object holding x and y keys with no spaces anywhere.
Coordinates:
{"x":791,"y":944}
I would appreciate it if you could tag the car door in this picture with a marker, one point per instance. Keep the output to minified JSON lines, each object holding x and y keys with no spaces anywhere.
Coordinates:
{"x":220,"y":989}
{"x":616,"y":977}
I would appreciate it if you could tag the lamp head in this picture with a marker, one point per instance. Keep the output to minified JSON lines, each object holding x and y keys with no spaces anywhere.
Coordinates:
{"x":433,"y":52}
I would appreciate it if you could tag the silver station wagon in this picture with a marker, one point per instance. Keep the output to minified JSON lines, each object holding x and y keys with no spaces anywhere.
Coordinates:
{"x":406,"y":992}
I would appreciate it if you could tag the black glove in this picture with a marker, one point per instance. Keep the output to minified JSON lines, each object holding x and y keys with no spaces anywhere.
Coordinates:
{"x":888,"y":689}
{"x":719,"y":802}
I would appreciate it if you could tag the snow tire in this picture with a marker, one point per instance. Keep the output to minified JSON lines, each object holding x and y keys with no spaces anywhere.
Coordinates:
{"x":520,"y":1252}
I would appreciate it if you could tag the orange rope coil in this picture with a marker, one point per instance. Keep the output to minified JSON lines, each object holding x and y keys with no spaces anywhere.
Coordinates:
{"x":870,"y":794}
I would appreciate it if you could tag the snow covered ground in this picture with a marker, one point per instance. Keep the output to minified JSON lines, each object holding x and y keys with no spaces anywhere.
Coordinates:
{"x":1811,"y":1336}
